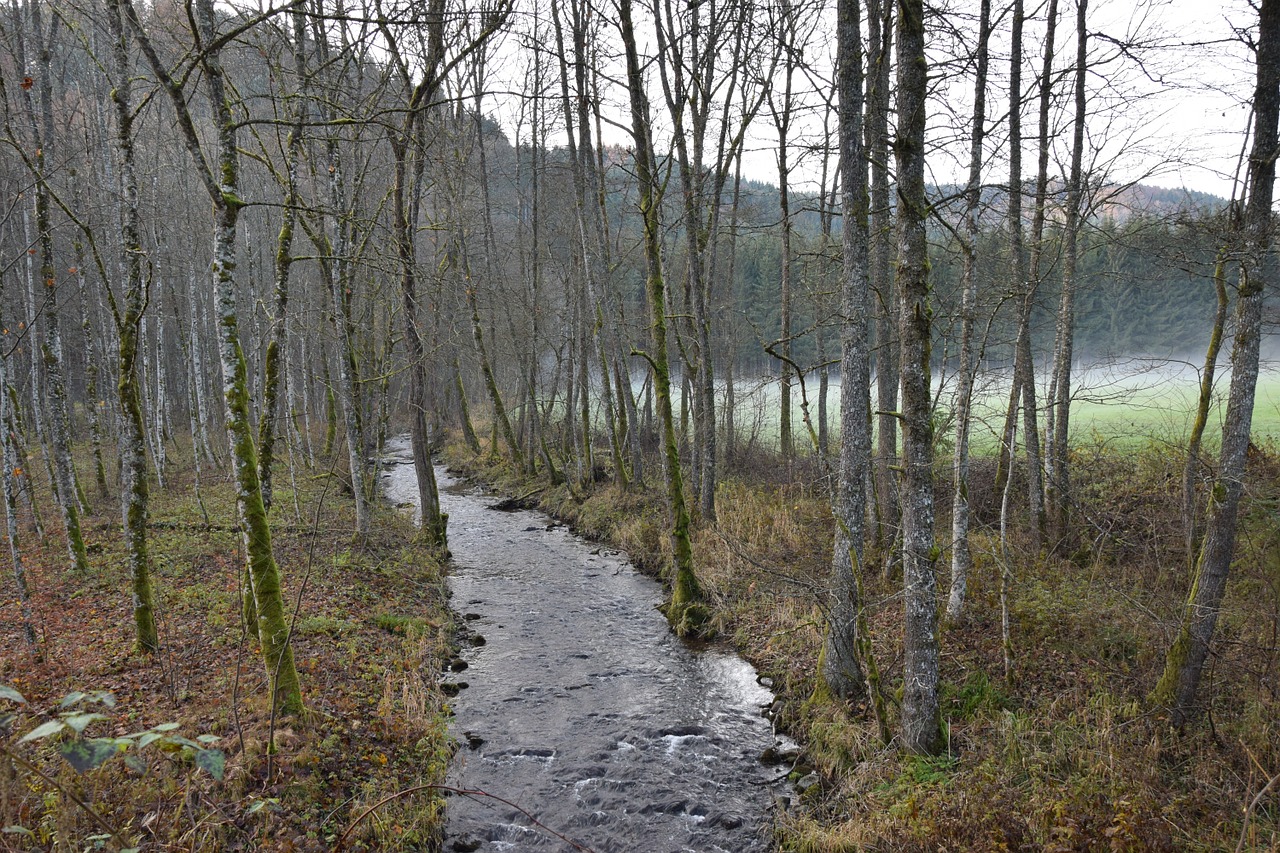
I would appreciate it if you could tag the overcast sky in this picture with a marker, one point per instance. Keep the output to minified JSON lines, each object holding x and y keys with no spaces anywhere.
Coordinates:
{"x":1170,"y":109}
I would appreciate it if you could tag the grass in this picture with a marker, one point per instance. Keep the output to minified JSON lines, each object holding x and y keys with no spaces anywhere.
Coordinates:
{"x":1063,"y":755}
{"x":375,"y":722}
{"x":1122,"y":405}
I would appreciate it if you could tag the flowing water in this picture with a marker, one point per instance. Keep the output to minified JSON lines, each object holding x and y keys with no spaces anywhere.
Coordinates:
{"x":580,"y":706}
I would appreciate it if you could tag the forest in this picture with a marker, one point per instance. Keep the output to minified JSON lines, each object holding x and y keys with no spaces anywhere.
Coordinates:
{"x":869,"y":330}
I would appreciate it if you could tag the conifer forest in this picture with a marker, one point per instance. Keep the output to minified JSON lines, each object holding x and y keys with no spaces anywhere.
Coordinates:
{"x":639,"y":425}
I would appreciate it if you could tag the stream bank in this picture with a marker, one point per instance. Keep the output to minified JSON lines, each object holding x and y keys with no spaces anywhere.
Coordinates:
{"x":578,"y":708}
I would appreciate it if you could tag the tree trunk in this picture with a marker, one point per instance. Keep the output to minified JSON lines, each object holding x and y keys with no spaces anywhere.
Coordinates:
{"x":1058,"y":481}
{"x":842,"y":664}
{"x":283,"y":265}
{"x":888,"y":512}
{"x":9,"y":464}
{"x":1191,"y":515}
{"x":264,"y":575}
{"x":920,"y":714}
{"x":135,"y":497}
{"x":686,"y":611}
{"x":961,"y":559}
{"x":1186,"y":657}
{"x":40,"y":119}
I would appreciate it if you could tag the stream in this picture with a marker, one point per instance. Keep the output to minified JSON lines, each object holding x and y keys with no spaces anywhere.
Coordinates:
{"x":580,"y":706}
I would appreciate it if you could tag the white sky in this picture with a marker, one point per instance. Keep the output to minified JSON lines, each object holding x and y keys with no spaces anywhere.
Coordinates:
{"x":1175,"y":120}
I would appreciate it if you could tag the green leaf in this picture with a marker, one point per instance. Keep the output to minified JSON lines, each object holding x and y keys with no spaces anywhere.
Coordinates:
{"x":17,"y":830}
{"x":87,"y":753}
{"x":208,"y":738}
{"x":259,"y":805}
{"x":212,"y":761}
{"x":164,"y":727}
{"x":148,"y":738}
{"x":72,"y":698}
{"x":42,"y":731}
{"x":79,"y":721}
{"x":135,"y":764}
{"x":7,"y":692}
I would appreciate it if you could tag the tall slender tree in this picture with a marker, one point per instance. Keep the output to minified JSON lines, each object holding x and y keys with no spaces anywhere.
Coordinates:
{"x":1058,"y":478}
{"x":843,"y":666}
{"x":920,"y":711}
{"x":686,"y":610}
{"x":966,"y":369}
{"x":1184,"y":662}
{"x":220,"y":176}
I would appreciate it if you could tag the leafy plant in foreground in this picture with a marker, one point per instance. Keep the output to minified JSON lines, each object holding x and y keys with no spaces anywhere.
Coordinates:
{"x":66,"y":732}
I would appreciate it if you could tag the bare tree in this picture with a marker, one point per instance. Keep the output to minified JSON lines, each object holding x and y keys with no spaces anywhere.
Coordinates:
{"x":686,"y":610}
{"x":1057,"y":480}
{"x":961,"y":559}
{"x":1186,"y":657}
{"x":220,"y":176}
{"x":920,"y":712}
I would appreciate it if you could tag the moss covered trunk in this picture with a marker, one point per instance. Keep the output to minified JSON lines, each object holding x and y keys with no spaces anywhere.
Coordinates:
{"x":686,"y":610}
{"x":40,"y":120}
{"x":135,"y":497}
{"x":222,"y":185}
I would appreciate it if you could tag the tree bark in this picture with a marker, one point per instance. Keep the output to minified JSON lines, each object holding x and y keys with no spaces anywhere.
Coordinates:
{"x":1191,"y":473}
{"x":271,"y":369}
{"x":888,"y":512}
{"x":961,"y":559}
{"x":920,"y":713}
{"x":224,"y":192}
{"x":1058,"y":479}
{"x":1186,"y":657}
{"x":686,"y":611}
{"x":1024,"y":382}
{"x":842,"y":662}
{"x":135,"y":496}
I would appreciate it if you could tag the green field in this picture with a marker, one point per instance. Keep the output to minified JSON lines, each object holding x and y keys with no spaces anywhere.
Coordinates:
{"x":1121,"y":407}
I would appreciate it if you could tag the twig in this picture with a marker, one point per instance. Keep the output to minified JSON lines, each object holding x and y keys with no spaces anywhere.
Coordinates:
{"x":1248,"y":813}
{"x":342,"y":839}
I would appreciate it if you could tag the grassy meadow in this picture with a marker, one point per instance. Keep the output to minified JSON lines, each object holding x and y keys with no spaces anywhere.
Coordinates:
{"x":1122,"y":405}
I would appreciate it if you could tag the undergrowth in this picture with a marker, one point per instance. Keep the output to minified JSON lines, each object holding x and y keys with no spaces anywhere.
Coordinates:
{"x":371,"y":633}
